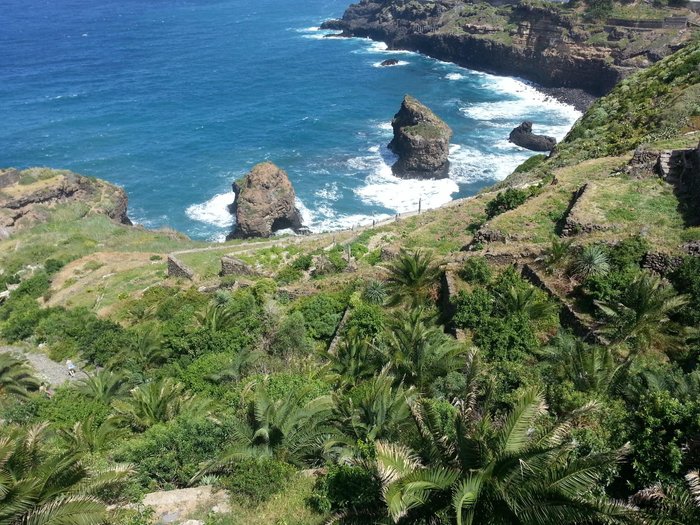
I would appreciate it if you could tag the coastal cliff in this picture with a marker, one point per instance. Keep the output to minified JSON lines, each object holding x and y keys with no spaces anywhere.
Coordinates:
{"x":549,"y":45}
{"x":27,"y":196}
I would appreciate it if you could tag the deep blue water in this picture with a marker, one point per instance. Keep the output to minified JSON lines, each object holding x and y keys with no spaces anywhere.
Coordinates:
{"x":174,"y":99}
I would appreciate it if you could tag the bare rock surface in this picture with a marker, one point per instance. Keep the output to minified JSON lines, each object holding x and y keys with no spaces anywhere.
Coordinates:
{"x":421,"y":141}
{"x":265,"y":202}
{"x":524,"y":137}
{"x":177,"y":506}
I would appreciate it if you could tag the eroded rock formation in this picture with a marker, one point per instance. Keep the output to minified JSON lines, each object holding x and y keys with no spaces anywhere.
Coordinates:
{"x":524,"y":137}
{"x":421,"y":140}
{"x":264,"y":203}
{"x":28,"y":196}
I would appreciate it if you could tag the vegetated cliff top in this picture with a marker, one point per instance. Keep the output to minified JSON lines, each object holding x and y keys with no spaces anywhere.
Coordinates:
{"x":587,"y":45}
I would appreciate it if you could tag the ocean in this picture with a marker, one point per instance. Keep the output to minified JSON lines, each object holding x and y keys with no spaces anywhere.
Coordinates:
{"x":175,"y":99}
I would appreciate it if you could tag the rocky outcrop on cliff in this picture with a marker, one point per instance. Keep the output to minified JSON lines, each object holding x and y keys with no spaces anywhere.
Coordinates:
{"x":28,"y":196}
{"x":264,"y":203}
{"x":524,"y":137}
{"x":421,"y":141}
{"x":539,"y":43}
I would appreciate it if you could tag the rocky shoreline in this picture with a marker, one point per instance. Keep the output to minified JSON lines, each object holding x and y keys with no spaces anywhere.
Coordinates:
{"x":542,"y":45}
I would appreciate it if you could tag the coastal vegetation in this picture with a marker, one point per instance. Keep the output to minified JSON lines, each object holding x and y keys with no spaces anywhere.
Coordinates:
{"x":526,"y":356}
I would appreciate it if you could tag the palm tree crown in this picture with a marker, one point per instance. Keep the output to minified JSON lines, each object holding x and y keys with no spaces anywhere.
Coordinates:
{"x":39,"y":487}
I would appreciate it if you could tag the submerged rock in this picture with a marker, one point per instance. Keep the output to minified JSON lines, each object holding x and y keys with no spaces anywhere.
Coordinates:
{"x":389,"y":62}
{"x":264,"y":203}
{"x":524,"y":137}
{"x":421,"y":140}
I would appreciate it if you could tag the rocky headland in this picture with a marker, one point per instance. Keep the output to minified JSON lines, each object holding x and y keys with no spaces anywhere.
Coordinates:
{"x":524,"y":137}
{"x":265,"y":202}
{"x":555,"y":46}
{"x":421,"y":141}
{"x":28,"y":197}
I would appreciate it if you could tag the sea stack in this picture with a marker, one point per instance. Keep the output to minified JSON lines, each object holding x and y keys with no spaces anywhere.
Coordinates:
{"x":264,"y":203}
{"x":524,"y":137}
{"x":421,"y":140}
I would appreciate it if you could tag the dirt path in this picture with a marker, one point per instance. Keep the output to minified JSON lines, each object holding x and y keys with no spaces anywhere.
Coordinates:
{"x":47,"y":370}
{"x":92,"y":269}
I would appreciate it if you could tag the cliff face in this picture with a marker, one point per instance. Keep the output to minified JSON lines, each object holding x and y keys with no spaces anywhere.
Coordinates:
{"x":542,"y":44}
{"x":28,"y":196}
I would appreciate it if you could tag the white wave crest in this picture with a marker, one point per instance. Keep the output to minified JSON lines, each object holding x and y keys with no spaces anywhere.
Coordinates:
{"x":525,"y":103}
{"x":215,"y":211}
{"x":454,"y":76}
{"x":401,"y":195}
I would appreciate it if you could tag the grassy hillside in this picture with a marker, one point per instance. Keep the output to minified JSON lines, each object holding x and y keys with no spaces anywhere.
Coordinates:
{"x":509,"y":358}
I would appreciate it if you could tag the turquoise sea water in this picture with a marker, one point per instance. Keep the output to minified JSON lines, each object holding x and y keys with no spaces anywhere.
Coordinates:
{"x":174,"y":99}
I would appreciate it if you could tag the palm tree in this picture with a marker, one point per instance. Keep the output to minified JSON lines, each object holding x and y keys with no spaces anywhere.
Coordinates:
{"x":641,"y":317}
{"x":590,"y":261}
{"x":103,"y":386}
{"x":557,"y":254}
{"x":291,"y":429}
{"x":519,"y":300}
{"x":381,"y":408}
{"x":509,"y":473}
{"x":157,"y":402}
{"x":352,"y":361}
{"x":419,"y":351}
{"x":412,"y":278}
{"x":673,"y":505}
{"x":16,"y":377}
{"x":215,"y":317}
{"x":41,"y":487}
{"x":590,"y":368}
{"x":375,"y":292}
{"x":88,"y":436}
{"x":242,"y":361}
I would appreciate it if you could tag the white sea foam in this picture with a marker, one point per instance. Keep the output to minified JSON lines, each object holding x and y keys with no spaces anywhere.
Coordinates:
{"x":527,"y":104}
{"x":454,"y":76}
{"x":215,"y":211}
{"x":469,"y":165}
{"x":401,"y":195}
{"x":328,"y":192}
{"x":399,"y":63}
{"x":385,"y":126}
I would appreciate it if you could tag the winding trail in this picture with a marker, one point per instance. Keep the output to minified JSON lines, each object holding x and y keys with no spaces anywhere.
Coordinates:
{"x":55,"y":374}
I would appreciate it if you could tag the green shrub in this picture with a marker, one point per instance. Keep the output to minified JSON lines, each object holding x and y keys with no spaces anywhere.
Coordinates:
{"x":347,"y":487}
{"x":36,"y":286}
{"x":288,"y":274}
{"x":68,"y":406}
{"x":530,"y":164}
{"x":21,"y":314}
{"x":629,"y":252}
{"x":169,"y":455}
{"x":322,"y":313}
{"x":290,"y":337}
{"x":51,"y":266}
{"x":197,"y":376}
{"x":367,"y":320}
{"x":506,"y":200}
{"x":303,"y":262}
{"x":476,"y":270}
{"x":253,"y":481}
{"x":686,"y":279}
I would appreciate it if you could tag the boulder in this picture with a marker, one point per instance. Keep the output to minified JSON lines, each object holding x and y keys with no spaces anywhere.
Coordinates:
{"x":232,"y":266}
{"x":421,"y":141}
{"x":524,"y":137}
{"x":389,"y":62}
{"x":264,"y":203}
